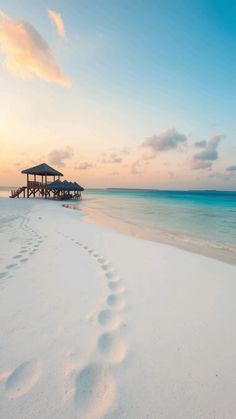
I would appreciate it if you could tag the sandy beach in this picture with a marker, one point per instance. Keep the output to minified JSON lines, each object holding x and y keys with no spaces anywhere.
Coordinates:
{"x":98,"y":324}
{"x":117,"y":209}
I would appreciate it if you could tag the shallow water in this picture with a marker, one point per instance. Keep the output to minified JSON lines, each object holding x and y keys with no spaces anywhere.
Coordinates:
{"x":202,"y":218}
{"x":204,"y":221}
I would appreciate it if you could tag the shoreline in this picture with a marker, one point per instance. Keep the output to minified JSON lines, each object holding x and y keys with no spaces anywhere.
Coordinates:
{"x":97,"y":217}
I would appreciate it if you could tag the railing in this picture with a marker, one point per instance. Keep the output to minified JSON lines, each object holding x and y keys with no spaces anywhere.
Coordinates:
{"x":17,"y":192}
{"x":33,"y":184}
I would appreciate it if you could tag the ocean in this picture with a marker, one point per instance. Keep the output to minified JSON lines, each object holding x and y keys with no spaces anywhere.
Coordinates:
{"x":202,"y":221}
{"x":198,"y":220}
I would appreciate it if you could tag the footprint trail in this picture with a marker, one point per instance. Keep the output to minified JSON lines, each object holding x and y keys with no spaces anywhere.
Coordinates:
{"x":95,"y":387}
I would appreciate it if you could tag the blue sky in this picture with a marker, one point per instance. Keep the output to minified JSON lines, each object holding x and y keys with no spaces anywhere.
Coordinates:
{"x":138,"y":69}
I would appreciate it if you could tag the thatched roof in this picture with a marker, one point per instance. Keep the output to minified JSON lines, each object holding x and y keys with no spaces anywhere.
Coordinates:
{"x":55,"y":185}
{"x":42,"y":169}
{"x":80,"y":188}
{"x":65,"y":186}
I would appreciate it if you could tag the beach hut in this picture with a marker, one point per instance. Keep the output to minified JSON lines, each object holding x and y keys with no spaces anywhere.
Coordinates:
{"x":65,"y":190}
{"x":44,"y":181}
{"x":38,"y":177}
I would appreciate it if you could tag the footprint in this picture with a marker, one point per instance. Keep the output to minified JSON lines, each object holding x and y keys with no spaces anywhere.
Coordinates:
{"x":105,"y":267}
{"x":109,"y":319}
{"x":116,"y":300}
{"x":112,"y":347}
{"x":17,"y":257}
{"x":95,"y":391}
{"x":3,"y":275}
{"x":101,"y":260}
{"x":22,"y":379}
{"x":24,"y":260}
{"x":116,"y":286}
{"x":11,"y":266}
{"x":112,"y":275}
{"x":96,"y":255}
{"x":85,"y":247}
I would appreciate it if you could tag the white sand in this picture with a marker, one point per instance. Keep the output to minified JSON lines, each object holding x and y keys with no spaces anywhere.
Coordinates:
{"x":98,"y":324}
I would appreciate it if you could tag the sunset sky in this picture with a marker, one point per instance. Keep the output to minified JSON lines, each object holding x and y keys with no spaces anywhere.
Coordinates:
{"x":124,"y":93}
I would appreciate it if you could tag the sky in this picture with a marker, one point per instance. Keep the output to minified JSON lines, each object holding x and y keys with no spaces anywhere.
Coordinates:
{"x":120,"y":93}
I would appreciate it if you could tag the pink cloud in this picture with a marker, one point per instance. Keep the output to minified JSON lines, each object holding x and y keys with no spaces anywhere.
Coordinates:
{"x":27,"y":53}
{"x":56,"y":20}
{"x":57,"y":157}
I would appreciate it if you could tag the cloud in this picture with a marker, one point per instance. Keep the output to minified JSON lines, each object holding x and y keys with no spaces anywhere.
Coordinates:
{"x":56,"y":20}
{"x":200,"y":144}
{"x":209,"y":154}
{"x":27,"y":53}
{"x":84,"y":166}
{"x":201,"y":164}
{"x":111,"y":158}
{"x":57,"y":157}
{"x":210,"y":150}
{"x":231,"y":168}
{"x":169,"y":139}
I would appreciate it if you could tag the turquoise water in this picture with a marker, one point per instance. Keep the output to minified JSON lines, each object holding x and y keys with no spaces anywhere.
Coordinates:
{"x":205,"y":220}
{"x":204,"y":217}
